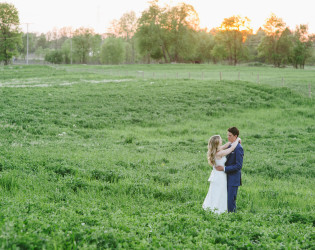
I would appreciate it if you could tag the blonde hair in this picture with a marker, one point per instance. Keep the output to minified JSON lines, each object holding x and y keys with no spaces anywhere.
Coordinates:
{"x":213,"y":147}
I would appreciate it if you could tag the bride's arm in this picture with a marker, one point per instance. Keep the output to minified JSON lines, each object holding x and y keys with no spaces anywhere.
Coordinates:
{"x":225,"y":146}
{"x":229,"y":150}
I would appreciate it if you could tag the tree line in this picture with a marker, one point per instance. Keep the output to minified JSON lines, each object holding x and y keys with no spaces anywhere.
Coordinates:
{"x":161,"y":35}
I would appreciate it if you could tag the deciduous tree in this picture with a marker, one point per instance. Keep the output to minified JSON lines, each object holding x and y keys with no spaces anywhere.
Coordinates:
{"x":149,"y":32}
{"x":183,"y":25}
{"x":232,"y":35}
{"x":168,"y":32}
{"x":125,"y":28}
{"x":10,"y":36}
{"x":204,"y":46}
{"x":302,"y":48}
{"x":113,"y":51}
{"x":252,"y":42}
{"x":275,"y":47}
{"x":82,"y":42}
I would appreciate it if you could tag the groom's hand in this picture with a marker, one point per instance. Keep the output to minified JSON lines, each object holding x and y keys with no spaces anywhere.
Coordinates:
{"x":219,"y":168}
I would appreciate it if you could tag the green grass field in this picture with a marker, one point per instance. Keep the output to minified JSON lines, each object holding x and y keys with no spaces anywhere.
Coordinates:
{"x":297,"y":80}
{"x":97,"y":157}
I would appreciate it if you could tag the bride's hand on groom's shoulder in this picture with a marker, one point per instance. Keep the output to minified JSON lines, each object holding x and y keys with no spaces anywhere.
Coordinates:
{"x":240,"y":140}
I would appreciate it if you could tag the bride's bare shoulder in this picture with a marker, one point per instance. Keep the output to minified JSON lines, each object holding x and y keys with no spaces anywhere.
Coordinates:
{"x":217,"y":156}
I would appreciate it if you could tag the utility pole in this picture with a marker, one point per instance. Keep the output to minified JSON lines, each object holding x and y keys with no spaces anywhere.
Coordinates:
{"x":27,"y":42}
{"x":70,"y":47}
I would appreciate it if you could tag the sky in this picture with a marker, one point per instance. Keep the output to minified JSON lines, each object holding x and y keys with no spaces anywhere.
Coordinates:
{"x":44,"y":15}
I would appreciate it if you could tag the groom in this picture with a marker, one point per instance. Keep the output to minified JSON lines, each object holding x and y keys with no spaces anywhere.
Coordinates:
{"x":233,"y":166}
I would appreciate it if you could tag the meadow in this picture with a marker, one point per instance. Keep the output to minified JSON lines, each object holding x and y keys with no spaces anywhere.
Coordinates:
{"x":96,"y":157}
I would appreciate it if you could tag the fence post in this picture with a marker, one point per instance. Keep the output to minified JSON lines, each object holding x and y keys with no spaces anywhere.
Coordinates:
{"x":282,"y":82}
{"x":220,"y":76}
{"x":309,"y":91}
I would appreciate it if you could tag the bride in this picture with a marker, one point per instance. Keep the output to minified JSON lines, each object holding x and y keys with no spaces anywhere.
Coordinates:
{"x":216,"y":199}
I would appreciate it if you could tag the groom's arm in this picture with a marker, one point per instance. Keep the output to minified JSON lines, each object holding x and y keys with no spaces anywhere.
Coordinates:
{"x":239,"y":153}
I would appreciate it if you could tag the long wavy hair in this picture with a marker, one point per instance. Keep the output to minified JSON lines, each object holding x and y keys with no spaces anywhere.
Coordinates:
{"x":213,"y":147}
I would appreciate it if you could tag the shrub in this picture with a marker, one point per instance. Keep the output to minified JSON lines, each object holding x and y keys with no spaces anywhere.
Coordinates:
{"x":113,"y":51}
{"x":54,"y":56}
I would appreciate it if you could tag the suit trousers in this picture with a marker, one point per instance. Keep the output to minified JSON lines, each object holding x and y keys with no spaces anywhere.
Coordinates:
{"x":232,"y":193}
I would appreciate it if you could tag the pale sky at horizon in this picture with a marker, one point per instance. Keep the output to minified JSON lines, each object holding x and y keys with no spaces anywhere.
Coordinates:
{"x":44,"y":15}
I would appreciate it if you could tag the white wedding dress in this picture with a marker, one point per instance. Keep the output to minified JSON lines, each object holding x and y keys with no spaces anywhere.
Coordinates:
{"x":216,"y":199}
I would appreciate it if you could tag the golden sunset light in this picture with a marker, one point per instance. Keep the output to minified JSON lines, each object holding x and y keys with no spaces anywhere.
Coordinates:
{"x":97,"y":14}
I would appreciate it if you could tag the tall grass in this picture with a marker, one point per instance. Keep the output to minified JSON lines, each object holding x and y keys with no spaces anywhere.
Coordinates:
{"x":91,"y":160}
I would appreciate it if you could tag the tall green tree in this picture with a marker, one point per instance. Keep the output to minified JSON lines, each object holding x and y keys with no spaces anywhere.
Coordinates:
{"x":302,"y":48}
{"x":95,"y":52}
{"x":168,"y":32}
{"x":149,"y":32}
{"x":284,"y":47}
{"x":82,"y":43}
{"x":183,"y":25}
{"x":125,"y":28}
{"x":252,"y":42}
{"x":204,"y":46}
{"x":42,"y":41}
{"x":218,"y":53}
{"x":232,"y":35}
{"x":66,"y":51}
{"x":10,"y":36}
{"x":276,"y":46}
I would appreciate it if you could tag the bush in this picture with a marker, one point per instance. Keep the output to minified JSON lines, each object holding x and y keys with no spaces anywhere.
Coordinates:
{"x":54,"y":56}
{"x":113,"y":51}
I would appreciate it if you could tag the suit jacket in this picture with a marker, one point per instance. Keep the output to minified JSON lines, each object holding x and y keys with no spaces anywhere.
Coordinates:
{"x":233,"y":166}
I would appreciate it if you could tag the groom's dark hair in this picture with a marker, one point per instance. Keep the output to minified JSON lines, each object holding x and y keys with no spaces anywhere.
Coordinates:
{"x":234,"y":131}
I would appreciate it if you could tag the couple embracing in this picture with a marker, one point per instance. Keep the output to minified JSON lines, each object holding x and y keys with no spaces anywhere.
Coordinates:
{"x":225,"y":178}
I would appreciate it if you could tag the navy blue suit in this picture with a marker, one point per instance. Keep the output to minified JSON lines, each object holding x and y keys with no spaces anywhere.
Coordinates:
{"x":233,"y":166}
